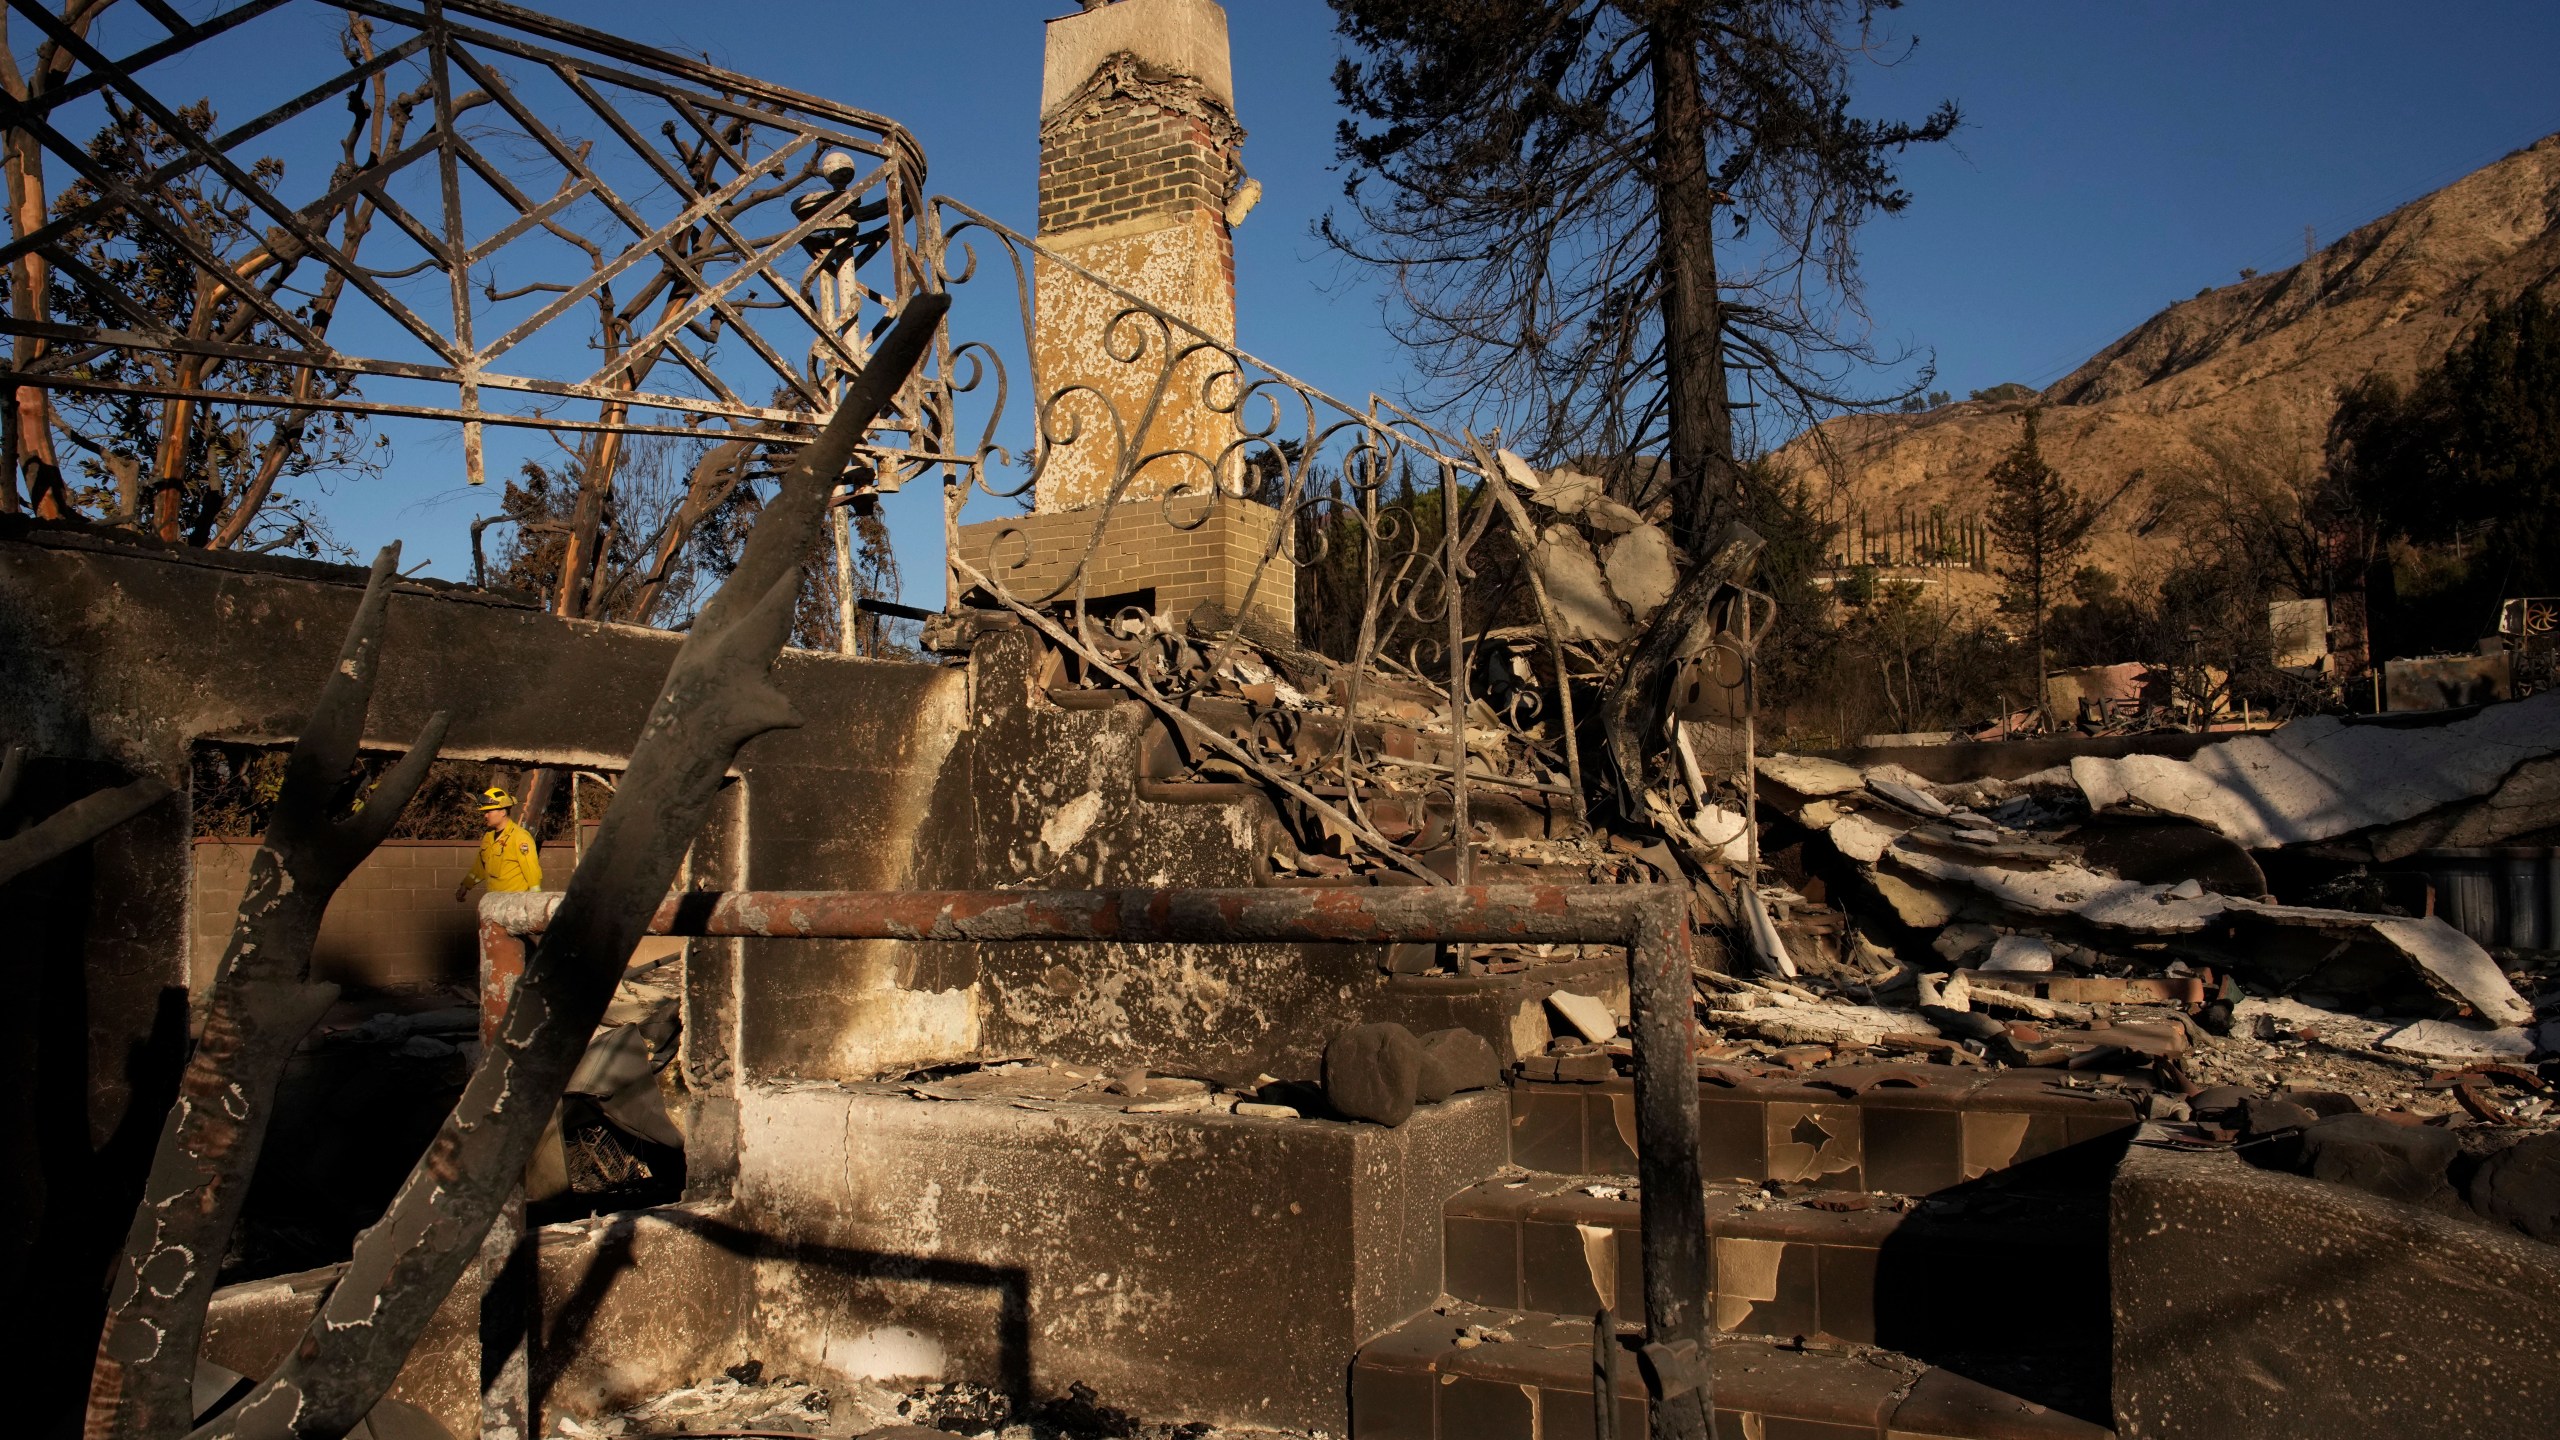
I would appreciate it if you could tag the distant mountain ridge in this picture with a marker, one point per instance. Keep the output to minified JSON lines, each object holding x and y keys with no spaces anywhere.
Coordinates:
{"x":2256,"y":365}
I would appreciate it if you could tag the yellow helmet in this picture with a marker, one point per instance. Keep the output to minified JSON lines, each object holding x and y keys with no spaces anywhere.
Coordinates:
{"x":495,"y":798}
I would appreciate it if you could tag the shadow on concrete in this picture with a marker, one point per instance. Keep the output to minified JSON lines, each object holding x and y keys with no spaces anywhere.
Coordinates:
{"x":565,"y":1330}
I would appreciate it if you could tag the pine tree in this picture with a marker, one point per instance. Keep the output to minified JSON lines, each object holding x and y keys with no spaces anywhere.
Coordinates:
{"x":2038,"y":527}
{"x":1592,"y":210}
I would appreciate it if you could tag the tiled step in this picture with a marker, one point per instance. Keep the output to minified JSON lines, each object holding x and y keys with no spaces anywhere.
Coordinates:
{"x":1905,"y":1273}
{"x":1533,"y":1380}
{"x":1908,"y":1129}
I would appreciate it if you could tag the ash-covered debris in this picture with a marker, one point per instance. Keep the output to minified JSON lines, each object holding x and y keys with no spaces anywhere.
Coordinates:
{"x":745,"y":1402}
{"x":2115,"y":921}
{"x":1374,"y":1072}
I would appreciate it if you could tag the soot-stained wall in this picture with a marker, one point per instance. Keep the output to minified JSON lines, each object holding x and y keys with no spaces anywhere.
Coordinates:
{"x":1033,"y":794}
{"x":116,"y":658}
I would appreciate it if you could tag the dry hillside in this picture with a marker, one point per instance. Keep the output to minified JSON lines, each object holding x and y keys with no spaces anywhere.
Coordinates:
{"x":2251,"y":369}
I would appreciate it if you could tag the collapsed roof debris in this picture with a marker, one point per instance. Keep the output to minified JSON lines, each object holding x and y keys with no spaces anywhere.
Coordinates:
{"x":2321,"y":778}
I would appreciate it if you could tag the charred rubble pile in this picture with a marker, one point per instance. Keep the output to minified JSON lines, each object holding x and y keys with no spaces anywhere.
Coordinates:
{"x":2112,"y":919}
{"x":2223,"y":939}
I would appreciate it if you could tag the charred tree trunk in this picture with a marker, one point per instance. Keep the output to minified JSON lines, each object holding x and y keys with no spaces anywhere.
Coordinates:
{"x":264,"y":1003}
{"x":717,"y":697}
{"x":1681,"y":628}
{"x":1700,"y":411}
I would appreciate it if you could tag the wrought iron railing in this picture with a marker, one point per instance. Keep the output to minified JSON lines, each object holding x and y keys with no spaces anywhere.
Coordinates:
{"x":1383,"y":513}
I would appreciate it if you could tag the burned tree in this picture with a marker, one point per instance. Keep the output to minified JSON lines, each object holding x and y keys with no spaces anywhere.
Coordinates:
{"x":29,"y":440}
{"x":1595,"y":209}
{"x":715,"y":700}
{"x":264,"y":1003}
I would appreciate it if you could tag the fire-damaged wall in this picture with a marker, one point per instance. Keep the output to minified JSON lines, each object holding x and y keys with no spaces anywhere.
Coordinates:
{"x":115,"y":659}
{"x":394,"y":923}
{"x":1036,"y":794}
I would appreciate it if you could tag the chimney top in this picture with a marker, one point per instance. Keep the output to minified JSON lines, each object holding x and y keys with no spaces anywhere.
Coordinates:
{"x":1180,"y":37}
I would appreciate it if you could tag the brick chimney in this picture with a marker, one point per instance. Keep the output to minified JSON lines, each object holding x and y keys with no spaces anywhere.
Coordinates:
{"x":1140,"y":171}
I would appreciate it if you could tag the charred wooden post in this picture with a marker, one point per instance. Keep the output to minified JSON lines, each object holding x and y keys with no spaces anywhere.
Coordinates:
{"x":717,"y":697}
{"x":1674,"y":1199}
{"x":264,"y":1002}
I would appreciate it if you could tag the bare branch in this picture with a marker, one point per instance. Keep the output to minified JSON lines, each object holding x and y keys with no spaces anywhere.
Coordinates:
{"x":264,"y":1002}
{"x":75,"y":824}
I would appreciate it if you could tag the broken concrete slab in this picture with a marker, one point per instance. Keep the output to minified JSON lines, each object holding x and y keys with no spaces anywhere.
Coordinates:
{"x":2447,"y":961}
{"x":2020,"y":954}
{"x":1821,"y":1024}
{"x":1587,"y":1015}
{"x":2321,"y":778}
{"x":1642,"y":569}
{"x":1921,"y":907}
{"x":2068,"y":891}
{"x":1860,"y":838}
{"x":1576,"y":590}
{"x":2443,"y":958}
{"x":2452,"y":1040}
{"x":1810,"y":775}
{"x":2459,"y":965}
{"x":2526,"y":801}
{"x":1909,"y":797}
{"x":2293,"y":1017}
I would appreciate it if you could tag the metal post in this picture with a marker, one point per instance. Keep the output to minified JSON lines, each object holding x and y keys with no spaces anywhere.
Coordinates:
{"x":1750,"y":741}
{"x":1677,"y":1363}
{"x":1457,"y":630}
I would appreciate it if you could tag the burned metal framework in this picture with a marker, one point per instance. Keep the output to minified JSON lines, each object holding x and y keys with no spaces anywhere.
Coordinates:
{"x":534,"y":185}
{"x":1651,"y":922}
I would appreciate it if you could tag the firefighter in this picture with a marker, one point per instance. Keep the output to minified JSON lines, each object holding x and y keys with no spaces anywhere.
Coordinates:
{"x":508,"y":859}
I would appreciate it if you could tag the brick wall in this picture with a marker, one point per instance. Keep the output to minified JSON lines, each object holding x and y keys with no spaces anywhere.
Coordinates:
{"x":394,"y":923}
{"x":1215,"y":561}
{"x":1131,"y":161}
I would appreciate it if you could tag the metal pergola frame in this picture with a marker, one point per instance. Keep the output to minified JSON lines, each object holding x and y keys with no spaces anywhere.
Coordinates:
{"x":872,"y":171}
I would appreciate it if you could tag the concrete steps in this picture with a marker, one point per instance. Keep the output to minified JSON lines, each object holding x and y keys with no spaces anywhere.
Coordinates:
{"x":1896,"y":1251}
{"x":1904,"y":1129}
{"x":1900,"y":1271}
{"x":1419,"y":1382}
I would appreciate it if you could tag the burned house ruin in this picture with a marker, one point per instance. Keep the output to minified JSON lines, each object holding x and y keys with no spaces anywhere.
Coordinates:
{"x":1286,"y":958}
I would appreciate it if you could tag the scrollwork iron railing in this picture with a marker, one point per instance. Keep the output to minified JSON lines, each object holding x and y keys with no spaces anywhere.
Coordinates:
{"x":1447,"y":685}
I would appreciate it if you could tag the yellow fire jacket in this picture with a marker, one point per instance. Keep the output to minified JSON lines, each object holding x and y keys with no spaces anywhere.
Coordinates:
{"x":508,"y":860}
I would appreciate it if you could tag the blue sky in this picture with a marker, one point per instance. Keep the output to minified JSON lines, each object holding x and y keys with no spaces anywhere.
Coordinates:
{"x":2115,"y":158}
